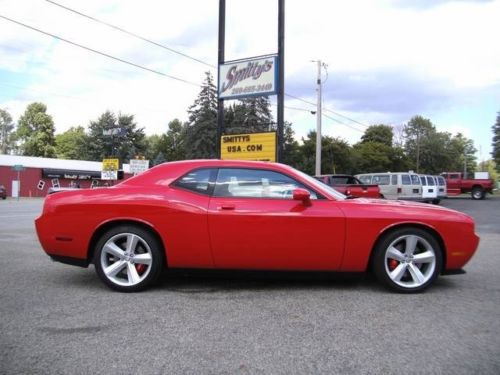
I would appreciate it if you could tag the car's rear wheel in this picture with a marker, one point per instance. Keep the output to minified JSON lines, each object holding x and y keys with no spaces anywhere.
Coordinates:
{"x":128,"y":258}
{"x":407,"y":260}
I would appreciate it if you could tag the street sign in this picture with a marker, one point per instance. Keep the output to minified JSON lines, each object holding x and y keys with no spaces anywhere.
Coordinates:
{"x":138,"y":166}
{"x":109,"y":175}
{"x":256,"y":146}
{"x":110,"y":164}
{"x":18,"y":168}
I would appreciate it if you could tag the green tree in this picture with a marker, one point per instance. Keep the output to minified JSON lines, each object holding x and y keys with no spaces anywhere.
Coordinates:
{"x":116,"y":136}
{"x":175,"y":141}
{"x":35,"y":131}
{"x":378,"y":133}
{"x":335,"y":155}
{"x":417,"y":132}
{"x":372,"y":157}
{"x":72,"y":144}
{"x":7,"y":137}
{"x":496,"y":142}
{"x":201,"y":129}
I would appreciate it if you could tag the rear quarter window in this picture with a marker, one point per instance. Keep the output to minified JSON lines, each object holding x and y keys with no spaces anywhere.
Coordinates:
{"x":197,"y":181}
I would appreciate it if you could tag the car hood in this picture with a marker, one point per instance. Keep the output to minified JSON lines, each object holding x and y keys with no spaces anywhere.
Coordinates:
{"x":404,"y":208}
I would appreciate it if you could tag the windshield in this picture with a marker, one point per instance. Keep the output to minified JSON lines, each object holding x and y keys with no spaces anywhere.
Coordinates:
{"x":312,"y":181}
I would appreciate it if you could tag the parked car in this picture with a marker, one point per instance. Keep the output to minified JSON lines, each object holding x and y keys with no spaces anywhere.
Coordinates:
{"x":457,"y":184}
{"x":429,"y":189}
{"x":350,"y":185}
{"x":3,"y":192}
{"x":395,"y":185}
{"x":441,"y":182}
{"x":222,"y":214}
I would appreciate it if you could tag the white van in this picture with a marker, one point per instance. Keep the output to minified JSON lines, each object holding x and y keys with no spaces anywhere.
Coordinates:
{"x":429,"y":189}
{"x":441,"y":183}
{"x":395,"y":185}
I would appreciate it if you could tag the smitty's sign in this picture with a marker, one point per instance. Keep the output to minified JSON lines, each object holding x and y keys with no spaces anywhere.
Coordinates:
{"x":251,"y":77}
{"x":256,"y":146}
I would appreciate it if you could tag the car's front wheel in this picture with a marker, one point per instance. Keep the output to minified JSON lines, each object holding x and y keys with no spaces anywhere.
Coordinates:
{"x":128,"y":258}
{"x":407,"y":260}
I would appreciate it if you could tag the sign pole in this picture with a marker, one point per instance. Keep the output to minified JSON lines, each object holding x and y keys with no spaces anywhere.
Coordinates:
{"x":220,"y":102}
{"x":281,"y":83}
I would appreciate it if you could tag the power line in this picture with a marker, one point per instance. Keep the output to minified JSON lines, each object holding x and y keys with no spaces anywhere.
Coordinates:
{"x":132,"y":34}
{"x":342,"y":123}
{"x":327,"y":110}
{"x":178,"y":52}
{"x":100,"y":53}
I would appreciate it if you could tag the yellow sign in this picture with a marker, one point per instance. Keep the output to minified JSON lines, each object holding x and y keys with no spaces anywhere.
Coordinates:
{"x":256,"y":146}
{"x":110,"y":164}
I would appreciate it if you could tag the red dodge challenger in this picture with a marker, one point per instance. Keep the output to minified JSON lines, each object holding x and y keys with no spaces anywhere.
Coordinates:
{"x":214,"y":214}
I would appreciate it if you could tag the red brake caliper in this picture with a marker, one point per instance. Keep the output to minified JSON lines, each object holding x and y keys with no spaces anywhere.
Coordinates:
{"x":393,"y":263}
{"x":140,"y":268}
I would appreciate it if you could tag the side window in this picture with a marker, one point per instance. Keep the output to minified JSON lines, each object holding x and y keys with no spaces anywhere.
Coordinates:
{"x":453,"y":176}
{"x":394,"y":179}
{"x":430,"y":181}
{"x":367,"y":179}
{"x":422,"y":179}
{"x":197,"y":181}
{"x":415,"y":180}
{"x":405,"y":179}
{"x":381,"y":179}
{"x":255,"y":183}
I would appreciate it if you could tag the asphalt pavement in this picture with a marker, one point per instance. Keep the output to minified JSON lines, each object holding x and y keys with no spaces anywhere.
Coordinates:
{"x":59,"y":319}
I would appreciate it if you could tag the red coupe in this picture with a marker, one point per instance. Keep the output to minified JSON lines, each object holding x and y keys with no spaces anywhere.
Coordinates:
{"x":250,"y":216}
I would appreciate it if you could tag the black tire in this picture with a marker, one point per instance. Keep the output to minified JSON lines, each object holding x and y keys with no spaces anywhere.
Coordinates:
{"x":477,"y":193}
{"x":410,"y":273}
{"x":132,"y":256}
{"x":436,"y":201}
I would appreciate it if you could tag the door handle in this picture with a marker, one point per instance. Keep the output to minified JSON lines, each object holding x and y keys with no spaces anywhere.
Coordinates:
{"x":226,"y":207}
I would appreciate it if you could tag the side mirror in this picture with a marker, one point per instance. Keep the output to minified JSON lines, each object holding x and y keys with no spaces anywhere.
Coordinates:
{"x":302,"y":195}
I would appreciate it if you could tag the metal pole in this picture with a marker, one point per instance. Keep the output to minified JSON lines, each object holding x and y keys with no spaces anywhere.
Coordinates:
{"x":281,"y":83}
{"x":418,"y":148}
{"x":220,"y":102}
{"x":318,"y":124}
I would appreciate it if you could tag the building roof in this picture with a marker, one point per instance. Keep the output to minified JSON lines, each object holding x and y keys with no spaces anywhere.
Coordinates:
{"x":36,"y":162}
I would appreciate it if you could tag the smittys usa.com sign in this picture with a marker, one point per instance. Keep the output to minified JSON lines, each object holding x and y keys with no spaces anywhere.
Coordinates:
{"x":250,"y":77}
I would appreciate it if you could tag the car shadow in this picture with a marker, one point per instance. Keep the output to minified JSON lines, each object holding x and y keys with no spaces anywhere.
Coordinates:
{"x":202,"y":281}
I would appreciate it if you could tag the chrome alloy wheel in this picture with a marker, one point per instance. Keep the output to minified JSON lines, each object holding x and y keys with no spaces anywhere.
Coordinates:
{"x":410,"y":261}
{"x":126,"y":259}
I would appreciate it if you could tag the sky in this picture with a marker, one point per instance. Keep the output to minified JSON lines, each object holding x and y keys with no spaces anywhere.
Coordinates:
{"x":387,"y":60}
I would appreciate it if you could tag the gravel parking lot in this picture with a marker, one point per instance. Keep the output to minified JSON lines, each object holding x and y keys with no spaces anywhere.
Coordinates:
{"x":58,"y":319}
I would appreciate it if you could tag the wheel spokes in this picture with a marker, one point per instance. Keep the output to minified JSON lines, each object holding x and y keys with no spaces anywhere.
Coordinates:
{"x":112,"y":270}
{"x":394,"y":253}
{"x":417,"y":276}
{"x":398,"y":272}
{"x":425,"y":257}
{"x":410,"y":244}
{"x":132,"y":241}
{"x":143,"y":258}
{"x":113,"y":249}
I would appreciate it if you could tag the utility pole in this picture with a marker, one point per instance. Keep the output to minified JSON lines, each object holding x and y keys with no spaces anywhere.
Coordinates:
{"x":418,"y":148}
{"x":281,"y":79}
{"x":318,"y":122}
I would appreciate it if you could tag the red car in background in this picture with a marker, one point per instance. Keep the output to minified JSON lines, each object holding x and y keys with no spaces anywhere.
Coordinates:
{"x":350,"y":186}
{"x":215,"y":214}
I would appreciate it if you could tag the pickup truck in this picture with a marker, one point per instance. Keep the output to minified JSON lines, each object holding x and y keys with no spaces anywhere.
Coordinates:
{"x":477,"y":188}
{"x":350,"y":185}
